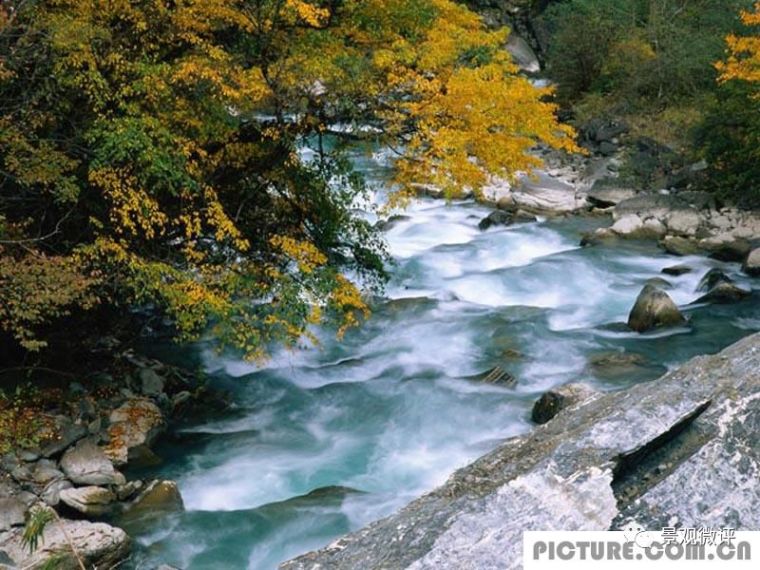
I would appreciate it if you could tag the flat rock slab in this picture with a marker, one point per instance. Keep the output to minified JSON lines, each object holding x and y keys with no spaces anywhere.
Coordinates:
{"x":643,"y":454}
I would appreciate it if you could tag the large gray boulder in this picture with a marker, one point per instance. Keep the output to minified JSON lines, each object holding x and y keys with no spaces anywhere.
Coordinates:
{"x":642,"y":454}
{"x":97,"y":544}
{"x":87,"y":464}
{"x":654,"y":308}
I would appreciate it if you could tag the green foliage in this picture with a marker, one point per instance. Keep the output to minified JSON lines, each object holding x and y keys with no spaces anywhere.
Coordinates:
{"x":638,"y":52}
{"x":729,"y":138}
{"x":38,"y":519}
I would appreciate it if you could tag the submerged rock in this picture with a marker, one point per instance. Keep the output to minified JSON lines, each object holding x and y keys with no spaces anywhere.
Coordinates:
{"x":616,"y":364}
{"x":640,"y":454}
{"x":654,"y":308}
{"x":554,"y":401}
{"x":99,"y":545}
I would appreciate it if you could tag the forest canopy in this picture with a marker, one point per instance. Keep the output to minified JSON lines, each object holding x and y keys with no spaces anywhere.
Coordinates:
{"x":151,"y":154}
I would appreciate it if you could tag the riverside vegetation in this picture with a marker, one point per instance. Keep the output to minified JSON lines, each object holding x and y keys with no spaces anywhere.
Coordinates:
{"x":188,"y":171}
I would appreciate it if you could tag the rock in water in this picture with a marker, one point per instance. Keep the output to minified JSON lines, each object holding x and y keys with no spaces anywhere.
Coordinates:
{"x":751,"y":265}
{"x":724,"y":293}
{"x":640,"y":454}
{"x":654,"y":308}
{"x":98,"y":544}
{"x":554,"y":401}
{"x":495,"y":218}
{"x":677,"y":270}
{"x":713,"y":278}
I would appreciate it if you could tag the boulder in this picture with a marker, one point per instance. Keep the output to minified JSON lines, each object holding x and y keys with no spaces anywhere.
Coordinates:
{"x":633,"y":226}
{"x":678,"y":245}
{"x":87,"y":464}
{"x":677,"y":270}
{"x":134,"y":425}
{"x":554,"y":401}
{"x":12,"y":511}
{"x":51,"y":494}
{"x":659,"y":282}
{"x":157,"y":498}
{"x":751,"y":265}
{"x":495,"y":218}
{"x":607,"y":196}
{"x":150,"y":382}
{"x":726,"y":247}
{"x":66,"y":434}
{"x":724,"y":293}
{"x":683,"y":222}
{"x":91,"y":501}
{"x":654,"y":308}
{"x":684,"y":448}
{"x":713,"y":278}
{"x":97,"y":544}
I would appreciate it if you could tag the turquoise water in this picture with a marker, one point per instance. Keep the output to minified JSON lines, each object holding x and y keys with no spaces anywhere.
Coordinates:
{"x":389,"y":413}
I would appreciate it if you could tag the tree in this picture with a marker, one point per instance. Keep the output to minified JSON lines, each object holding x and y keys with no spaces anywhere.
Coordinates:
{"x":149,"y":152}
{"x":730,"y":135}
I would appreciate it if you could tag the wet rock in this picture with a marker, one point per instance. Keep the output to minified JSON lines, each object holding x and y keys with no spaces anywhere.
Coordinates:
{"x":87,"y":464}
{"x":495,"y":218}
{"x":677,"y":270}
{"x":713,"y":278}
{"x":91,"y":501}
{"x":615,"y":363}
{"x":134,"y":425}
{"x":751,"y":265}
{"x":654,"y":308}
{"x":678,"y":245}
{"x":660,"y":283}
{"x":724,"y":293}
{"x":391,"y":222}
{"x":156,"y":499}
{"x":98,"y":544}
{"x":640,"y":454}
{"x":554,"y":401}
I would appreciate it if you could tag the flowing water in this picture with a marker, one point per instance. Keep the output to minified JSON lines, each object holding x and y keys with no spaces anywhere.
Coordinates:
{"x":323,"y":441}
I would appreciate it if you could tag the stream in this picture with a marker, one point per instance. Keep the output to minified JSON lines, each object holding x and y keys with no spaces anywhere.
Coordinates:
{"x":323,"y":441}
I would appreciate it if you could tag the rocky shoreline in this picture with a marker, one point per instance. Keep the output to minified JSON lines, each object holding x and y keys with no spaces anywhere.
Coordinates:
{"x":98,"y":428}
